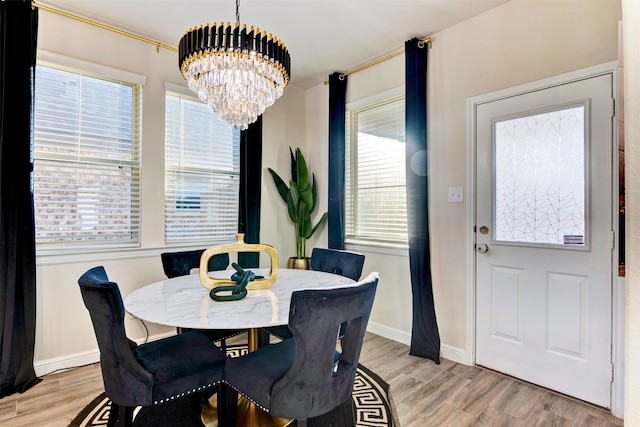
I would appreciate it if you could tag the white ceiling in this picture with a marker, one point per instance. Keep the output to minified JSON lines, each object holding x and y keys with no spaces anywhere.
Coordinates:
{"x":322,"y":36}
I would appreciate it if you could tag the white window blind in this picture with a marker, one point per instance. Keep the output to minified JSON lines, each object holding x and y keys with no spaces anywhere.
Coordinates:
{"x":86,"y":160}
{"x":375,"y":188}
{"x":202,"y":168}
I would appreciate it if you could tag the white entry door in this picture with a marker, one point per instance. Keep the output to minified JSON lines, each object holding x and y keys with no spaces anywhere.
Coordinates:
{"x":544,"y":239}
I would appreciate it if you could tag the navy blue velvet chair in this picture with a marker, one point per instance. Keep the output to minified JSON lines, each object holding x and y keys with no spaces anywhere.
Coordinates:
{"x":306,"y":376}
{"x":146,"y":374}
{"x":181,"y":263}
{"x":344,"y":263}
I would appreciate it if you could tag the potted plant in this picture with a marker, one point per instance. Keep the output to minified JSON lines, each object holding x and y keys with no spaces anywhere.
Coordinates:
{"x":300,"y":197}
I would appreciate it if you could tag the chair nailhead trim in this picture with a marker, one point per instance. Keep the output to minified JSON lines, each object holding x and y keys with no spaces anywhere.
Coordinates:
{"x":247,"y":397}
{"x":157,"y":402}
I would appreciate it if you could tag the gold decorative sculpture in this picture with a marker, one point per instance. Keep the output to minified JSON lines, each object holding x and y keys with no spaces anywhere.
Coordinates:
{"x":209,"y":282}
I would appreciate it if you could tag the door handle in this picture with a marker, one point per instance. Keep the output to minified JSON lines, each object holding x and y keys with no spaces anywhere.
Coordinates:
{"x":482,"y":248}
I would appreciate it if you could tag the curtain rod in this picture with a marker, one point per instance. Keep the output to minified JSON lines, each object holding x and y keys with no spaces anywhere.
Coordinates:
{"x":421,"y":44}
{"x":158,"y":45}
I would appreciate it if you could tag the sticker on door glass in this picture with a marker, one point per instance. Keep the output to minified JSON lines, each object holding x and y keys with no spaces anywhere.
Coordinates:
{"x":573,"y":239}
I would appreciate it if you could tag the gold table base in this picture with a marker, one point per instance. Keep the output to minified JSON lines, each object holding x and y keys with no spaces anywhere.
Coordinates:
{"x":248,"y":415}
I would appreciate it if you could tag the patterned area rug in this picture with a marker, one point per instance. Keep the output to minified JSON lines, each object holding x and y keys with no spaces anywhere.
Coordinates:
{"x":371,"y":402}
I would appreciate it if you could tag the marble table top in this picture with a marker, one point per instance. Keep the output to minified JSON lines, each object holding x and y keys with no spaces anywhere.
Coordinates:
{"x":183,"y":302}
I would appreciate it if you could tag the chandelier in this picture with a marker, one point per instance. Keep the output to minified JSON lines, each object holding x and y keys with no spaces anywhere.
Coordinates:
{"x":237,"y":72}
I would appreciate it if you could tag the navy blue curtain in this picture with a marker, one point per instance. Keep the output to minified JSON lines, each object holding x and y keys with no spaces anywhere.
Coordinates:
{"x":18,"y":37}
{"x":337,"y":99}
{"x":425,"y":339}
{"x":250,"y":190}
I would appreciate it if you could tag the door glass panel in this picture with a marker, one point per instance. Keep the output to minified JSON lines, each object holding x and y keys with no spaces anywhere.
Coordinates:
{"x":540,"y":178}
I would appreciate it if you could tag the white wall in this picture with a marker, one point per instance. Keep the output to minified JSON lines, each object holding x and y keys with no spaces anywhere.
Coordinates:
{"x":516,"y":43}
{"x":631,"y":46}
{"x":64,"y":335}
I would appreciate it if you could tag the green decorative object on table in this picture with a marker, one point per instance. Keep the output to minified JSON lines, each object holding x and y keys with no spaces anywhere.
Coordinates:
{"x":300,"y":197}
{"x":239,"y":291}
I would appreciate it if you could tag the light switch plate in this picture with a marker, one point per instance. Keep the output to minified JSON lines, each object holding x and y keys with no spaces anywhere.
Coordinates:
{"x":456,"y":195}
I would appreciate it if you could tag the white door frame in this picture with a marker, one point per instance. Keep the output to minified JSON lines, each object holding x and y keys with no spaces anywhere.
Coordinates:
{"x":617,"y":395}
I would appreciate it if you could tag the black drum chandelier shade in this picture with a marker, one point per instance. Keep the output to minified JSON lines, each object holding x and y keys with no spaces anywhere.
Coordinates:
{"x":237,"y":72}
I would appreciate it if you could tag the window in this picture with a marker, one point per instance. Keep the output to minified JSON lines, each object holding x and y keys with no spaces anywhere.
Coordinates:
{"x":202,"y":168}
{"x":539,"y":177}
{"x":86,"y":159}
{"x":375,"y":198}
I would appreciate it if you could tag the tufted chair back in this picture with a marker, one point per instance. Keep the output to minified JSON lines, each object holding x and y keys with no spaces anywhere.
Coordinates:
{"x":306,"y":376}
{"x":125,"y":381}
{"x":344,"y":263}
{"x":181,"y":263}
{"x":322,"y":378}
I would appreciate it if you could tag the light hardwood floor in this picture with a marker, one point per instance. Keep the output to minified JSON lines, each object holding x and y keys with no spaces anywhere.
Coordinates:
{"x":451,"y":394}
{"x":425,"y":394}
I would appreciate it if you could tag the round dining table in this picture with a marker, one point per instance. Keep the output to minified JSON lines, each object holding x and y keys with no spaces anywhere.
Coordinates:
{"x":182,"y":302}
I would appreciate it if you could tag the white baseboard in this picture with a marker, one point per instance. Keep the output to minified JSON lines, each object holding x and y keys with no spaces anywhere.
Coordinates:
{"x":48,"y":366}
{"x":454,"y":354}
{"x":390,"y":333}
{"x":75,"y":360}
{"x":448,"y":352}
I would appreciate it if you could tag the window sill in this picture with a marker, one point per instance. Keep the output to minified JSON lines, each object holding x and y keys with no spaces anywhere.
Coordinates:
{"x":377,"y":247}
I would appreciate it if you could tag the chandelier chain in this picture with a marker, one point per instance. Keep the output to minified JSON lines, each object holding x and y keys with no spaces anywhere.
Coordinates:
{"x":238,"y":12}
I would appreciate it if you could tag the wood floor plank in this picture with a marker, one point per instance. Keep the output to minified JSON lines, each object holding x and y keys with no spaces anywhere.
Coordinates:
{"x":8,"y":410}
{"x":438,"y":391}
{"x":546,"y":419}
{"x":518,"y":400}
{"x":479,"y":393}
{"x":492,"y":417}
{"x":445,"y":415}
{"x":465,"y":371}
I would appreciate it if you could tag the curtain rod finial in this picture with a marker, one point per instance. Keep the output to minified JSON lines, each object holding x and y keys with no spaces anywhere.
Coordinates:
{"x":426,"y":41}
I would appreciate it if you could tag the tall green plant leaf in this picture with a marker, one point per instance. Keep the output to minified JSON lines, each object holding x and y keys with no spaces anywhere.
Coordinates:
{"x":306,"y":197}
{"x":303,"y":173}
{"x":294,"y":166}
{"x":283,"y":190}
{"x":293,"y":202}
{"x":314,"y":195}
{"x":320,"y":222}
{"x":304,"y":221}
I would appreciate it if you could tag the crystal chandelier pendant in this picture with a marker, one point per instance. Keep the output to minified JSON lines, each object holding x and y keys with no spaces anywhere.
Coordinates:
{"x":238,"y":73}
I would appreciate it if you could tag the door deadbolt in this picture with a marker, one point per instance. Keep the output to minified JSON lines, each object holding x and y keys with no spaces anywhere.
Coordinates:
{"x":482,"y":248}
{"x":484,"y":229}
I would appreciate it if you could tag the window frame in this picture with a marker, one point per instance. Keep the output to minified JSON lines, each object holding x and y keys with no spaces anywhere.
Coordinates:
{"x":355,"y":243}
{"x":172,"y":89}
{"x":73,"y":250}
